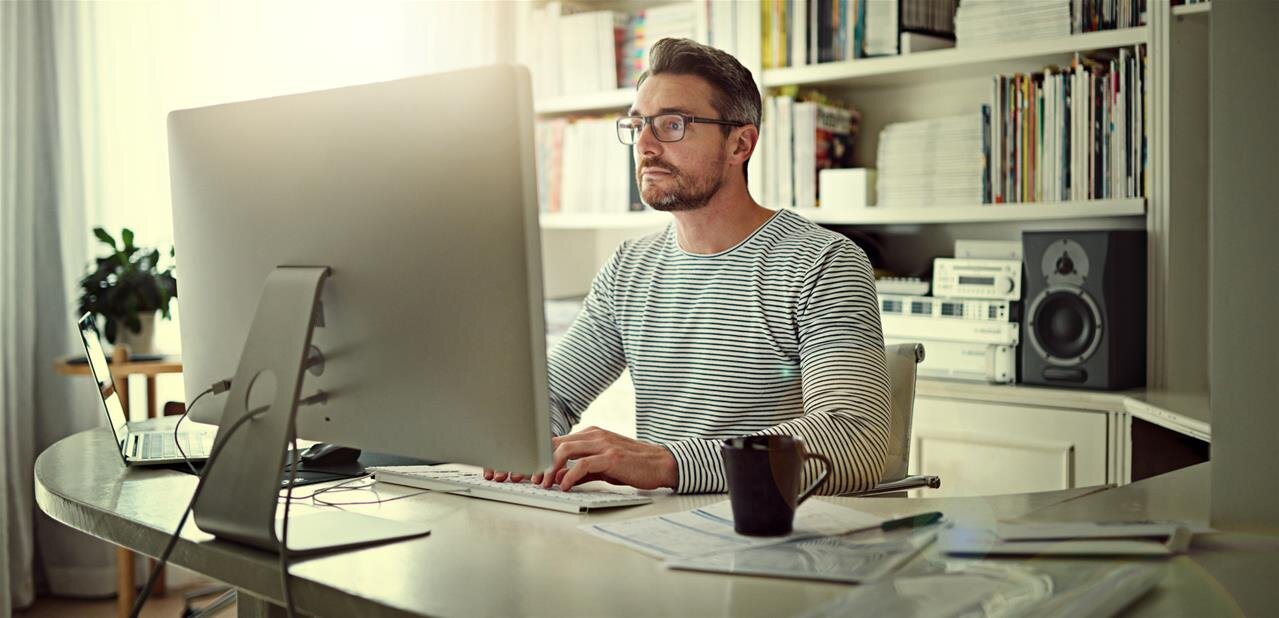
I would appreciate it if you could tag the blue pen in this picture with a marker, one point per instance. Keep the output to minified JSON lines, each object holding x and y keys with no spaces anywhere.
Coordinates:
{"x":912,"y":521}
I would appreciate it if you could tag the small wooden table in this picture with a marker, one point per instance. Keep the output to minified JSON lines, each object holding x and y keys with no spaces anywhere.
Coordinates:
{"x":122,"y":368}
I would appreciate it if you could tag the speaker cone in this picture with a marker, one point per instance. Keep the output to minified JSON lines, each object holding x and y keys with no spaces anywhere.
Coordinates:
{"x":1065,"y":325}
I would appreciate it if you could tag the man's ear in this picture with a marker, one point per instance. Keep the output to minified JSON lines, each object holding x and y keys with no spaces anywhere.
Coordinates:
{"x":744,"y":142}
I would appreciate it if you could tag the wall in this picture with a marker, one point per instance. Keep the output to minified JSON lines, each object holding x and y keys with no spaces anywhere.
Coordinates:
{"x":1244,"y":220}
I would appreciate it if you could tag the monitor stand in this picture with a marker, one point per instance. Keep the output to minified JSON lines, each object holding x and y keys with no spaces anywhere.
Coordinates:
{"x":239,"y":491}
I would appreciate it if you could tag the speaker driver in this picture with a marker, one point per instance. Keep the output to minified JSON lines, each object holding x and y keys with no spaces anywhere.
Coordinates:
{"x":1065,"y":325}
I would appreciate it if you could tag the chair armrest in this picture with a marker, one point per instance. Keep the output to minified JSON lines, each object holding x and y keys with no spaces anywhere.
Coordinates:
{"x":910,"y":482}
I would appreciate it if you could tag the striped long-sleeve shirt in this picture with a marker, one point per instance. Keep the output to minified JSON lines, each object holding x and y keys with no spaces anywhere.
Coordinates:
{"x":778,"y":335}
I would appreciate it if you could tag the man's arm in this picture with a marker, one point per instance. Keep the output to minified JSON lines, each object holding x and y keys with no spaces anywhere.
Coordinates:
{"x":589,"y":358}
{"x":845,"y":383}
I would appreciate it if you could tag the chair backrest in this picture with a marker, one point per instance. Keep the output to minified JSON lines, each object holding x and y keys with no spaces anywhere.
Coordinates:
{"x":902,"y":360}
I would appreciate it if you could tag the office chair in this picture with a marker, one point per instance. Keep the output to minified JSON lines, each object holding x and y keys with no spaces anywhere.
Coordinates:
{"x":903,"y":359}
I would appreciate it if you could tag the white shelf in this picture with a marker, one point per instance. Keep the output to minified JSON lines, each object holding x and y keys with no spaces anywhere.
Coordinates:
{"x":593,"y":102}
{"x":955,"y":63}
{"x":900,"y":215}
{"x":1192,"y":9}
{"x":595,"y":221}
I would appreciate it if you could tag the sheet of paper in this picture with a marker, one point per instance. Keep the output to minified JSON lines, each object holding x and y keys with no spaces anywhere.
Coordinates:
{"x":988,"y":588}
{"x":709,"y":529}
{"x":853,"y":558}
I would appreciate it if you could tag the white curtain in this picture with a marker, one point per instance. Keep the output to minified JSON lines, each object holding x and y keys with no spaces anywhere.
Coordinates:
{"x":84,"y":90}
{"x":40,"y":253}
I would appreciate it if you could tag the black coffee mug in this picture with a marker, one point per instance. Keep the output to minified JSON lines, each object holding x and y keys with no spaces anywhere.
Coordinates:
{"x":763,"y":475}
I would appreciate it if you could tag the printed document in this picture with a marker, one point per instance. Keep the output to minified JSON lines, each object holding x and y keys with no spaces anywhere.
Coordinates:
{"x":709,"y":529}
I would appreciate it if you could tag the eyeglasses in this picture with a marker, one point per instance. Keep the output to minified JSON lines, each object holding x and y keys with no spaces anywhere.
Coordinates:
{"x":666,"y":127}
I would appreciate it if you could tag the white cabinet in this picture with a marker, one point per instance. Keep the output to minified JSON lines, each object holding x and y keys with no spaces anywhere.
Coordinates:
{"x":980,"y":448}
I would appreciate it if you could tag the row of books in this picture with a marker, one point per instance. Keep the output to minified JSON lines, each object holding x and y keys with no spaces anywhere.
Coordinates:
{"x":582,"y":168}
{"x":573,"y":49}
{"x":986,"y":22}
{"x":801,"y":32}
{"x":799,"y":139}
{"x":935,"y":162}
{"x":1069,"y":134}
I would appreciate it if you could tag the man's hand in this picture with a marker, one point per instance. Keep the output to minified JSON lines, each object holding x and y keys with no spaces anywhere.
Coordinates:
{"x":602,"y":455}
{"x":496,"y":475}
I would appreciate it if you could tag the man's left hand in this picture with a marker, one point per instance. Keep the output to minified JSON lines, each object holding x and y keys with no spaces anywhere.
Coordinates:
{"x":602,"y":455}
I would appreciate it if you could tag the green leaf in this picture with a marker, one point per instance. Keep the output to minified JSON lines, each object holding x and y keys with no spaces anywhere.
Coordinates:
{"x":105,"y":237}
{"x":127,"y":236}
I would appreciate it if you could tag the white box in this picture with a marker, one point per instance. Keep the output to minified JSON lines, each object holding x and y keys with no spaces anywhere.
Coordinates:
{"x":846,"y":189}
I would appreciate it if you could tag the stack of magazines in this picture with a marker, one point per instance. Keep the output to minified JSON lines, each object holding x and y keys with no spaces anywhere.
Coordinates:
{"x":984,"y":22}
{"x":935,"y":162}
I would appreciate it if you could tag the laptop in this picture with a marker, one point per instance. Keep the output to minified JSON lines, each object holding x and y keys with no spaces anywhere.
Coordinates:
{"x":140,"y":443}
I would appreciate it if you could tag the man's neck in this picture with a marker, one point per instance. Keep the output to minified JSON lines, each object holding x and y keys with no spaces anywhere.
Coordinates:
{"x":729,"y":218}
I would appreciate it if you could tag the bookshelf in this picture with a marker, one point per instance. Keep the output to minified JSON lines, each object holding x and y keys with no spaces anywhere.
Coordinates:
{"x":1173,"y":210}
{"x":942,"y":83}
{"x":611,"y":100}
{"x":979,"y":213}
{"x":952,"y":64}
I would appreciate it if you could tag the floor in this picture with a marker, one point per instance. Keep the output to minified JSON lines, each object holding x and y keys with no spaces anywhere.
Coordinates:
{"x":168,"y":606}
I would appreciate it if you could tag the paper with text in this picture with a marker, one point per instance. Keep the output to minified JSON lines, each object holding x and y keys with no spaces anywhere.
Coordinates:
{"x":709,"y":529}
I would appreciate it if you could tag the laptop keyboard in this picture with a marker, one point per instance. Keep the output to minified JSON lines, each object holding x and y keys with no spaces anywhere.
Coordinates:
{"x":158,"y":445}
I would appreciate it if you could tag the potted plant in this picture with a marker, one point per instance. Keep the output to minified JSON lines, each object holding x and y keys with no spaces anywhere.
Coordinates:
{"x":126,"y":290}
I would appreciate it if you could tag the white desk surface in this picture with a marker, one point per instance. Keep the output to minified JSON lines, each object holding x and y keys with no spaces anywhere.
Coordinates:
{"x":486,"y":558}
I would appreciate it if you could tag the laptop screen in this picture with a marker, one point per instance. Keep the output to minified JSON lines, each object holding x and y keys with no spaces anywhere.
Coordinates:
{"x":102,"y":373}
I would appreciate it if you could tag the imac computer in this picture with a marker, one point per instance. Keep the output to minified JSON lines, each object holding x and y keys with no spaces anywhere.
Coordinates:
{"x":364,"y":261}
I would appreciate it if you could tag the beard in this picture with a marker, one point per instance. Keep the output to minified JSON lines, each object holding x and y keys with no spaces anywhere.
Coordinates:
{"x":682,"y":192}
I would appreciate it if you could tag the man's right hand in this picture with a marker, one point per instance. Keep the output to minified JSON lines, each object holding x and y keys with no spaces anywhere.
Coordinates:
{"x":494,"y":475}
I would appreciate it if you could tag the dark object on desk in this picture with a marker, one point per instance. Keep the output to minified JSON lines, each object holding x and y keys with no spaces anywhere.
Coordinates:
{"x":1085,"y":319}
{"x":913,"y":521}
{"x":133,"y":358}
{"x":328,"y":462}
{"x":764,"y":482}
{"x":322,"y":455}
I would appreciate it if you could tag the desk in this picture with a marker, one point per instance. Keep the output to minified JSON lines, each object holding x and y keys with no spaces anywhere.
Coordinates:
{"x":121,"y":369}
{"x":482,"y":558}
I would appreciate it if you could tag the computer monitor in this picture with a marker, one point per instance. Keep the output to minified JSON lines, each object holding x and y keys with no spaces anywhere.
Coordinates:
{"x":419,"y":195}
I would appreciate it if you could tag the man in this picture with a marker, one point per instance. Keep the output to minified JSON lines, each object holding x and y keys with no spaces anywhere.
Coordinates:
{"x":734,"y":320}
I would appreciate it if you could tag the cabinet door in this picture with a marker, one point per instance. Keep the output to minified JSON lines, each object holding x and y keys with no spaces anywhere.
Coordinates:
{"x":982,"y":448}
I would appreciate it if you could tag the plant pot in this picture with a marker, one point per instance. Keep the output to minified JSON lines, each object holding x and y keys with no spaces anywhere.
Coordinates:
{"x":143,"y":341}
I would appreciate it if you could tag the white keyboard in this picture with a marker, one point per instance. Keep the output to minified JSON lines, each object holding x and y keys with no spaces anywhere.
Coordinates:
{"x":473,"y":485}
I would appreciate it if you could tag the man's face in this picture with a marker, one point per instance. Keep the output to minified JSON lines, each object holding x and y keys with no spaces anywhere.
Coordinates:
{"x":681,"y":175}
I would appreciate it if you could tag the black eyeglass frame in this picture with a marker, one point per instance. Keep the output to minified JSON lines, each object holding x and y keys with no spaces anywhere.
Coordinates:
{"x":648,"y":122}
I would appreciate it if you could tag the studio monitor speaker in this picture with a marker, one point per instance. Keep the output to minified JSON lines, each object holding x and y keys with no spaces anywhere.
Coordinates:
{"x":1085,"y":317}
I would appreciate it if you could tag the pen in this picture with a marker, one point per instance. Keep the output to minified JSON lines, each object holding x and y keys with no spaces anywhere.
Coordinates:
{"x":912,"y":521}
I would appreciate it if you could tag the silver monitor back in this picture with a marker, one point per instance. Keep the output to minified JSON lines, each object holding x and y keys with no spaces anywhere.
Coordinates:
{"x":419,"y":194}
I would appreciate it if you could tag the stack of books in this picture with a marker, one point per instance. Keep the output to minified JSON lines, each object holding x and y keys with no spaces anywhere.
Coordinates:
{"x":936,"y":162}
{"x":802,"y":138}
{"x":587,"y":49}
{"x":581,"y":168}
{"x":984,"y":22}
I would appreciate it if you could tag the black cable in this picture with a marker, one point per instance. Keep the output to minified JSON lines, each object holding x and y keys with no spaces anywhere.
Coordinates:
{"x":173,"y":540}
{"x":187,"y":410}
{"x":284,"y":535}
